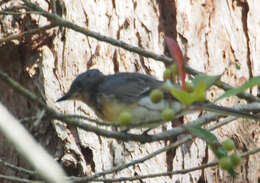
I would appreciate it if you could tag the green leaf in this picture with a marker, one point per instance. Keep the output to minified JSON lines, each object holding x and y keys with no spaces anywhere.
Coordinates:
{"x":219,"y":151}
{"x":198,"y":95}
{"x":249,"y":84}
{"x":210,"y":138}
{"x":209,"y":80}
{"x":200,"y":92}
{"x":204,"y":134}
{"x":183,"y":96}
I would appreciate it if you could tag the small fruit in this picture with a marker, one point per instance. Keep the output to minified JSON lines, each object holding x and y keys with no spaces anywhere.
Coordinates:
{"x":167,"y":114}
{"x":125,"y":118}
{"x":189,"y":88}
{"x":236,"y":159}
{"x":156,"y":96}
{"x":167,"y":74}
{"x":225,"y":163}
{"x":228,"y":145}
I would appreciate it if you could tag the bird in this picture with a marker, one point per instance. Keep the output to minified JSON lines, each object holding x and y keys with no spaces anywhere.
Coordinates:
{"x":110,"y":95}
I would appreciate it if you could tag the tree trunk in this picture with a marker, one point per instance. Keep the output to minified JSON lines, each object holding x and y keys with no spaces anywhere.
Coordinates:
{"x":217,"y":37}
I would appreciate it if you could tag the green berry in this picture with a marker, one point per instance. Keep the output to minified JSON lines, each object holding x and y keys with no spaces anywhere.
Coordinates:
{"x":189,"y":88}
{"x":167,"y":114}
{"x":167,"y":74}
{"x":125,"y":118}
{"x":236,"y":159}
{"x":156,"y":96}
{"x":228,"y":145}
{"x":225,"y":163}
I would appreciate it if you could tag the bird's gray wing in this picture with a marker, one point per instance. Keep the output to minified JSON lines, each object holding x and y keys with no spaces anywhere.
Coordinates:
{"x":128,"y":87}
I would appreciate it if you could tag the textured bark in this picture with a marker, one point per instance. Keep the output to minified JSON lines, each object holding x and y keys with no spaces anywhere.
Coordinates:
{"x":215,"y":35}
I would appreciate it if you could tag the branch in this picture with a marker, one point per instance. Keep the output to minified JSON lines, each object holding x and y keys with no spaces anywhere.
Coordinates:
{"x":163,"y":174}
{"x":31,"y":31}
{"x":16,"y":179}
{"x":19,"y":169}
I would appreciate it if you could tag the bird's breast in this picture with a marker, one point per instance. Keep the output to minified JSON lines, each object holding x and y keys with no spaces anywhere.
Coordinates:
{"x":144,"y":111}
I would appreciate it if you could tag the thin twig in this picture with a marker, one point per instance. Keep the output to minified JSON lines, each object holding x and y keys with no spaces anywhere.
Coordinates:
{"x":20,"y":169}
{"x":40,"y":115}
{"x":74,"y":116}
{"x":6,"y":12}
{"x":256,"y":150}
{"x":16,"y":179}
{"x":163,"y":174}
{"x":31,"y":31}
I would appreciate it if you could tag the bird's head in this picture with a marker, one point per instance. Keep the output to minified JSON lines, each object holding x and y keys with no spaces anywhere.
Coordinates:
{"x":83,"y":86}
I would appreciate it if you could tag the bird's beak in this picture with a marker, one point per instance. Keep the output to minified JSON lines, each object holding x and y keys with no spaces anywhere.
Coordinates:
{"x":65,"y":97}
